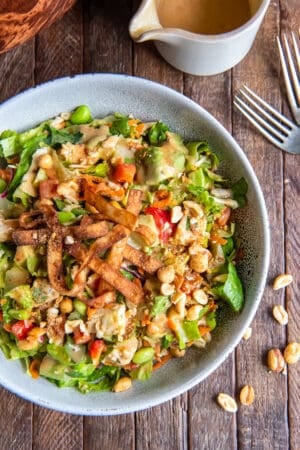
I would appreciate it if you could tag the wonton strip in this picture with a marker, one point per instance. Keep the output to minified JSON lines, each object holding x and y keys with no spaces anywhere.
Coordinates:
{"x":117,"y":215}
{"x":55,"y":267}
{"x":116,"y":253}
{"x":140,"y":259}
{"x":134,"y":201}
{"x":130,"y":290}
{"x":31,"y":237}
{"x":105,"y":242}
{"x":91,"y":231}
{"x":41,"y":235}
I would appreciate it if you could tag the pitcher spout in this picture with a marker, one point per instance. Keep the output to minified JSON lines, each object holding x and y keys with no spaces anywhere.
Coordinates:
{"x":145,"y":24}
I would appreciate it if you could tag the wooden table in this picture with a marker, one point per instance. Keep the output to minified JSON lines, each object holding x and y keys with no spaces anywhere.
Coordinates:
{"x":93,"y":37}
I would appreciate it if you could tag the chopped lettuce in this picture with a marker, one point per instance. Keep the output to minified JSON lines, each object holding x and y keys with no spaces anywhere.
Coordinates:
{"x":232,"y":290}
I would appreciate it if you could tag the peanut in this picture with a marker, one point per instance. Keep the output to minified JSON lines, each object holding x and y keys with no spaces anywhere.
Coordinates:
{"x":123,"y":384}
{"x":247,"y":395}
{"x":247,"y":334}
{"x":193,"y":312}
{"x":282,"y":281}
{"x":275,"y":360}
{"x":292,"y":352}
{"x":200,"y":296}
{"x":280,"y":314}
{"x":227,"y":402}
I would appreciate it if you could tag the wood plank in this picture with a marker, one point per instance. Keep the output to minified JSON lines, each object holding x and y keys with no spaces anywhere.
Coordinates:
{"x":290,"y":19}
{"x":212,"y":93}
{"x":113,"y":433}
{"x":15,"y":422}
{"x":107,"y":43}
{"x":209,"y":426}
{"x":163,"y":427}
{"x":59,"y":48}
{"x":16,"y":417}
{"x":13,"y":80}
{"x":54,"y":430}
{"x":264,"y":424}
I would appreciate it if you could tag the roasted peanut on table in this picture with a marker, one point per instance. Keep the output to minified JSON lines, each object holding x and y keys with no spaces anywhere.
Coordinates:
{"x":227,"y":402}
{"x":247,"y":334}
{"x":280,"y":314}
{"x":247,"y":395}
{"x":292,"y":353}
{"x":276,"y":361}
{"x":282,"y":281}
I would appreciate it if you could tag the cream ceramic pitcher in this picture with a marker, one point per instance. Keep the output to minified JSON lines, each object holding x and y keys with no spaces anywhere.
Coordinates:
{"x":195,"y":53}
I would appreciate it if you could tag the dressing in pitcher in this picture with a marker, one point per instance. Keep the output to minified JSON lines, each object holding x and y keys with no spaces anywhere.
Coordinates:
{"x":203,"y":16}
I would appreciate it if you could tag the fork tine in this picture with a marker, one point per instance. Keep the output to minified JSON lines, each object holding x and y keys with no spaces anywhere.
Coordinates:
{"x":256,"y":120}
{"x":292,"y":66}
{"x":248,"y":113}
{"x":268,"y":111}
{"x":296,"y":49}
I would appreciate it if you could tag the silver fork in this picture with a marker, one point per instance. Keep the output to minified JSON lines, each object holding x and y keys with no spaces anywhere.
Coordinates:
{"x":291,"y":73}
{"x":277,"y":128}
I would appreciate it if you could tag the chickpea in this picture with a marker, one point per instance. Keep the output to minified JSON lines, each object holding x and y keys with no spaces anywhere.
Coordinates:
{"x":45,"y":161}
{"x":66,"y":306}
{"x":166,"y":274}
{"x":167,"y":289}
{"x":199,"y":262}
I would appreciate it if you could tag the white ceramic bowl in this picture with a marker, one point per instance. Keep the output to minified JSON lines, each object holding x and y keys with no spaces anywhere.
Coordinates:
{"x":106,"y":93}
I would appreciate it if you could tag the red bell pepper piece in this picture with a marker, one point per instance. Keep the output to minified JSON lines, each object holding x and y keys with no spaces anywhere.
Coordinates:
{"x":162,"y":219}
{"x":21,"y":328}
{"x":95,"y":349}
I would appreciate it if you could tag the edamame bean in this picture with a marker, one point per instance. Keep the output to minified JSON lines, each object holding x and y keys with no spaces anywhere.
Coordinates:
{"x":3,"y":185}
{"x":82,"y":114}
{"x":80,"y":307}
{"x":143,"y":355}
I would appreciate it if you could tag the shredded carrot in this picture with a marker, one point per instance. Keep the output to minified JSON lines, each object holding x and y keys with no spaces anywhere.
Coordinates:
{"x":7,"y":327}
{"x":178,"y":281}
{"x":145,"y":320}
{"x":164,"y":203}
{"x":139,"y":127}
{"x":217,"y":239}
{"x":225,"y":216}
{"x":172,"y":324}
{"x":133,"y":122}
{"x":163,"y":360}
{"x":34,"y":368}
{"x":203,"y":329}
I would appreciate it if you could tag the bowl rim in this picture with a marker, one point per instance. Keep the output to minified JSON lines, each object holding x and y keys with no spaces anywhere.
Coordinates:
{"x":100,"y":410}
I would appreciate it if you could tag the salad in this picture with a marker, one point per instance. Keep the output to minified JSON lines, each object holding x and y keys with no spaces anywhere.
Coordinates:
{"x":117,"y":248}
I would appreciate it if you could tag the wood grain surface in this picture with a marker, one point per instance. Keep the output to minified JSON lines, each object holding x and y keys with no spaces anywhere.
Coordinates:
{"x":93,"y":37}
